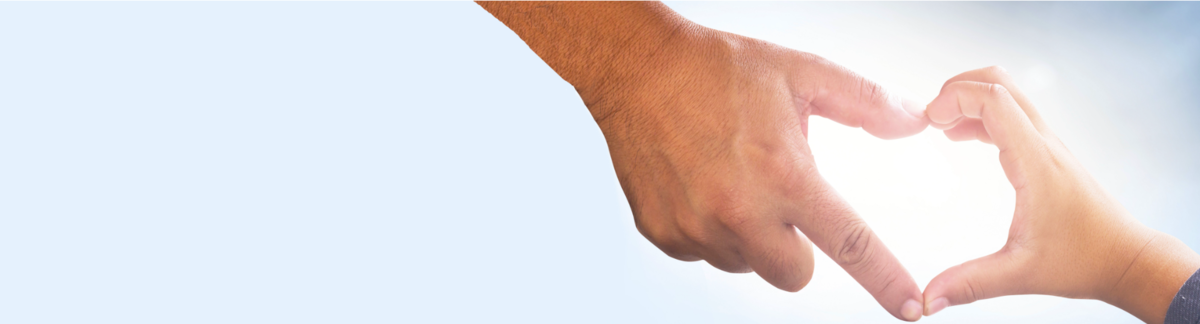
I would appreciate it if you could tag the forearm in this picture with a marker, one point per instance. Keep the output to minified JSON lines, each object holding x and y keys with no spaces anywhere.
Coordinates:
{"x":1155,"y":276}
{"x":590,"y":44}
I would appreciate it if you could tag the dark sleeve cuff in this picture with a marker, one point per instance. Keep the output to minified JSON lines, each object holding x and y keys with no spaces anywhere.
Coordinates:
{"x":1185,"y":309}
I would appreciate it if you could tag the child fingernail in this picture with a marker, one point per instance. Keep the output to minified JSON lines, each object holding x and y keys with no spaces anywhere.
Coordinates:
{"x":911,"y":310}
{"x":937,"y":305}
{"x":913,"y":108}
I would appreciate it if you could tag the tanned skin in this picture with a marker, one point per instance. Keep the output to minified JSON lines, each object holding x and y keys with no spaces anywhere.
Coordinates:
{"x":708,"y":133}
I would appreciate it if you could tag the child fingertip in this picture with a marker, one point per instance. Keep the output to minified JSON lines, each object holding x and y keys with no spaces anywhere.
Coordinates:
{"x":936,"y":305}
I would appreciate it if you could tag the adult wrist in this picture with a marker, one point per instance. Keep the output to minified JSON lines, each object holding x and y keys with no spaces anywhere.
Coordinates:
{"x":637,"y":54}
{"x":590,"y":44}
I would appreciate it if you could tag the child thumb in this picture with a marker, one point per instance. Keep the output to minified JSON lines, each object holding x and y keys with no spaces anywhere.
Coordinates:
{"x":994,"y":275}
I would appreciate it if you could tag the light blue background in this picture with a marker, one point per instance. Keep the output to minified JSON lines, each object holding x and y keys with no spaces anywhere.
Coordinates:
{"x":417,"y":163}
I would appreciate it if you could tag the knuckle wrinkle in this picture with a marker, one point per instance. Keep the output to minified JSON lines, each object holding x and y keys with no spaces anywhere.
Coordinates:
{"x":854,"y":245}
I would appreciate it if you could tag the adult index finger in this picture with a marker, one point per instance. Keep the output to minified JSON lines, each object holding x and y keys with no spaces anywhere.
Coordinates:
{"x":830,"y":223}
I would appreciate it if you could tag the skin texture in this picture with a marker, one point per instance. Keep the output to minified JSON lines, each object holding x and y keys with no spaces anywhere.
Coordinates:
{"x":708,"y":135}
{"x":1068,"y":237}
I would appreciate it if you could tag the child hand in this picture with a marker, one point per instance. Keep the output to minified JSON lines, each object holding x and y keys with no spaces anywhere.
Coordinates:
{"x":1068,"y":237}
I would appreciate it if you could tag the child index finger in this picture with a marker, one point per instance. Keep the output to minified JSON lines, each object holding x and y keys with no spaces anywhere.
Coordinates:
{"x":1006,"y":123}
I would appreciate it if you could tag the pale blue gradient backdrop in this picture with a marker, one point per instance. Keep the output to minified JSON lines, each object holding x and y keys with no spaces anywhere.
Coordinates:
{"x":417,"y":163}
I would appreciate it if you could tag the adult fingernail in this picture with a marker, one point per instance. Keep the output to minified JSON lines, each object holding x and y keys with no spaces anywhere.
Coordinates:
{"x":911,"y":310}
{"x":913,"y":108}
{"x":937,"y":305}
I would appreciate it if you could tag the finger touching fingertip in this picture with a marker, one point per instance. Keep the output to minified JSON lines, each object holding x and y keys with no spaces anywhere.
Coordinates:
{"x":945,"y":126}
{"x":936,"y":305}
{"x":914,"y":108}
{"x":943,"y":111}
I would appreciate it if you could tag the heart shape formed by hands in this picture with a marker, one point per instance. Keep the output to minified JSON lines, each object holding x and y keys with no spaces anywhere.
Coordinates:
{"x":708,"y":134}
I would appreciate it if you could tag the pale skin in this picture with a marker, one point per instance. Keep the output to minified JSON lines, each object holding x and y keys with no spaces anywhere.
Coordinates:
{"x":1068,"y":237}
{"x":708,"y":135}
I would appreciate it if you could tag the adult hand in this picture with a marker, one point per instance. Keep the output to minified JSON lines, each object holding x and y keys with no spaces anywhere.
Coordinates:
{"x":708,"y":134}
{"x":1068,"y":237}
